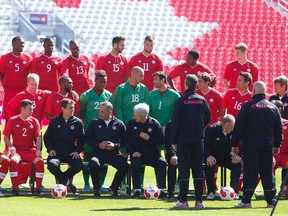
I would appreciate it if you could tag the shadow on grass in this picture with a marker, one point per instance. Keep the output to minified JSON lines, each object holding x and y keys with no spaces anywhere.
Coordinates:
{"x":127,"y":209}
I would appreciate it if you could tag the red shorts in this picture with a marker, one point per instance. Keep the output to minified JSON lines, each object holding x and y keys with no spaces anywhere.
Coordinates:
{"x":281,"y":160}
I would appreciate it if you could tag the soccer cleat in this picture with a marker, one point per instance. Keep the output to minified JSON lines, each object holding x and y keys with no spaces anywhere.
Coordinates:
{"x":243,"y":205}
{"x":97,"y":193}
{"x":137,"y":193}
{"x":162,"y":195}
{"x":272,"y":203}
{"x":1,"y":194}
{"x":210,"y":196}
{"x":86,"y":189}
{"x":38,"y":193}
{"x":199,"y":205}
{"x":15,"y":192}
{"x":113,"y":193}
{"x":179,"y":204}
{"x":43,"y":189}
{"x":72,"y":188}
{"x":2,"y":189}
{"x":236,"y":197}
{"x":104,"y":189}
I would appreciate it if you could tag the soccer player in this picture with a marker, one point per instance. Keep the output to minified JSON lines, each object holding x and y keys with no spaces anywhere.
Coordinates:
{"x":241,"y":64}
{"x":14,"y":68}
{"x":217,"y":151}
{"x":259,"y":125}
{"x":90,"y":102}
{"x":150,"y":62}
{"x":213,"y":97}
{"x":191,"y":66}
{"x":37,"y":96}
{"x":130,"y":93}
{"x":161,"y":100}
{"x":143,"y":138}
{"x":106,"y":135}
{"x":25,"y":147}
{"x":77,"y":67}
{"x":64,"y":141}
{"x":234,"y":99}
{"x":114,"y":64}
{"x":191,"y":114}
{"x":280,"y":86}
{"x":47,"y":67}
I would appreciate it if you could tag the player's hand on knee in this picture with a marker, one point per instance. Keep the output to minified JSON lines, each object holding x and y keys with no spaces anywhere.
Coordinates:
{"x":75,"y":155}
{"x":211,"y":161}
{"x":235,"y":159}
{"x":12,"y":151}
{"x":174,"y":160}
{"x":136,"y":154}
{"x":38,"y":153}
{"x":52,"y":153}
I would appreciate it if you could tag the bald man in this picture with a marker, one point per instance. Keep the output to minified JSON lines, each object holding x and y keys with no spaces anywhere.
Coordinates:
{"x":259,"y":125}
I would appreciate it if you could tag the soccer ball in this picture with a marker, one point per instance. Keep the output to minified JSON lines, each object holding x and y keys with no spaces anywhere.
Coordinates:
{"x":151,"y":192}
{"x":59,"y":191}
{"x":227,"y":193}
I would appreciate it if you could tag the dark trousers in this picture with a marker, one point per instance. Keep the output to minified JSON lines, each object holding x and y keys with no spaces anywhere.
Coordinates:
{"x":254,"y":162}
{"x":156,"y":161}
{"x":117,"y":161}
{"x":190,"y":156}
{"x":224,"y":162}
{"x":53,"y":164}
{"x":171,"y":177}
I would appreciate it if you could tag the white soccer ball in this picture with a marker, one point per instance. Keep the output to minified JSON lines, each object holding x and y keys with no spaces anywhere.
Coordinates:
{"x":151,"y":192}
{"x":227,"y":193}
{"x":59,"y":191}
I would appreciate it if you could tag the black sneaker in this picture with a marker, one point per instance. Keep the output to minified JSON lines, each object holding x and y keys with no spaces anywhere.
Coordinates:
{"x":113,"y":193}
{"x":15,"y":192}
{"x":72,"y":188}
{"x":137,"y":194}
{"x":97,"y":193}
{"x":38,"y":193}
{"x":162,"y":195}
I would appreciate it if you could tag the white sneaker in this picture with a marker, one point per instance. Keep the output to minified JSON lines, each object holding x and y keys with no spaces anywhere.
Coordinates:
{"x":199,"y":205}
{"x":243,"y":205}
{"x":179,"y":204}
{"x":1,"y":194}
{"x":236,"y":197}
{"x":210,"y":196}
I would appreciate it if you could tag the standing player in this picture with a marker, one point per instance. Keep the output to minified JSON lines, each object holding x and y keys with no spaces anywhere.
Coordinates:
{"x":150,"y":62}
{"x":241,"y":63}
{"x":25,"y":147}
{"x":234,"y":99}
{"x":90,"y":102}
{"x":37,"y":96}
{"x":191,"y":66}
{"x":280,"y":86}
{"x":114,"y":64}
{"x":53,"y":105}
{"x":77,"y":67}
{"x":47,"y":67}
{"x":213,"y":97}
{"x":14,"y":68}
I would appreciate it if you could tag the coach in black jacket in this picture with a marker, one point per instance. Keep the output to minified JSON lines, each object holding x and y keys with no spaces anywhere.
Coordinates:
{"x":64,"y":141}
{"x":259,"y":125}
{"x":191,"y":114}
{"x":143,"y":138}
{"x":217,"y":151}
{"x":106,"y":135}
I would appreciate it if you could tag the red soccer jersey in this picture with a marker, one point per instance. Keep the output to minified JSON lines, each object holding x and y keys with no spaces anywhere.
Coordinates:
{"x":23,"y":132}
{"x":233,"y":101}
{"x":184,"y":69}
{"x":78,"y":71}
{"x":116,"y":68}
{"x":39,"y":102}
{"x":150,"y":64}
{"x":53,"y":106}
{"x":15,"y":70}
{"x":214,"y":99}
{"x":284,"y":146}
{"x":234,"y":68}
{"x":48,"y":69}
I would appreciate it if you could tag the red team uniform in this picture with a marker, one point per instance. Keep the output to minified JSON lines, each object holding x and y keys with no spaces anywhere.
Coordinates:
{"x":48,"y":69}
{"x":150,"y":64}
{"x":116,"y":68}
{"x":282,"y":157}
{"x":15,"y":70}
{"x":184,"y":69}
{"x":39,"y":103}
{"x":23,"y":133}
{"x":53,"y":105}
{"x":234,"y":68}
{"x":214,"y":99}
{"x":233,"y":101}
{"x":78,"y":71}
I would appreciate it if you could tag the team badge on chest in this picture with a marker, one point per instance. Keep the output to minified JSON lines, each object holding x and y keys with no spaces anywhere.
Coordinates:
{"x":72,"y":127}
{"x":114,"y":127}
{"x":149,"y":129}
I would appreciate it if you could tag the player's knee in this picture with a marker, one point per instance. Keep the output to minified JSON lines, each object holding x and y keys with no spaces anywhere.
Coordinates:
{"x":94,"y":163}
{"x":53,"y":164}
{"x":136,"y":162}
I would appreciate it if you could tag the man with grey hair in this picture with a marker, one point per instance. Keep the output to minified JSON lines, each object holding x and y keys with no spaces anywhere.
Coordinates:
{"x":191,"y":114}
{"x":106,"y":135}
{"x":259,"y":125}
{"x":143,"y":138}
{"x":217,"y":152}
